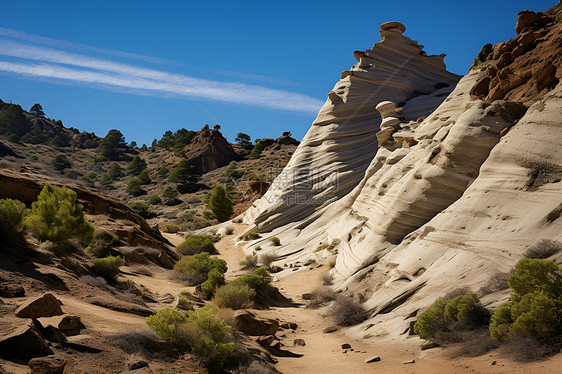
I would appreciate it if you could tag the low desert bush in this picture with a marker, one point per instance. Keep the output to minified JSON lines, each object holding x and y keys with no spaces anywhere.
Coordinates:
{"x":140,"y":341}
{"x":543,"y":249}
{"x":229,"y":230}
{"x":327,"y":279}
{"x":496,"y":282}
{"x":142,"y":209}
{"x":266,"y":259}
{"x":535,"y":307}
{"x":215,"y":278}
{"x":250,"y":262}
{"x":108,"y":267}
{"x":252,"y":235}
{"x":171,"y":228}
{"x":103,"y":243}
{"x":234,"y":296}
{"x":275,"y":241}
{"x":184,"y":304}
{"x":203,"y":333}
{"x":347,"y":312}
{"x":196,"y":267}
{"x":196,"y":244}
{"x":259,"y":280}
{"x":11,"y":217}
{"x":320,"y":296}
{"x":56,"y":216}
{"x":154,"y":200}
{"x":450,"y":315}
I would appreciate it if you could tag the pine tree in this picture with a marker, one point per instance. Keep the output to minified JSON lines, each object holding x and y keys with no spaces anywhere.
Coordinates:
{"x":113,"y":145}
{"x":136,"y":166}
{"x":220,"y":203}
{"x":37,"y":109}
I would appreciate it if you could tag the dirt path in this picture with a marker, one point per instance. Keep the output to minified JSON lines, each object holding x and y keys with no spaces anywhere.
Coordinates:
{"x":323,"y":353}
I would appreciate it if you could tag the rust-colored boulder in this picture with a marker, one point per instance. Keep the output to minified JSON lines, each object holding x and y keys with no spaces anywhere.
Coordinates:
{"x":23,"y":343}
{"x":526,"y":19}
{"x":249,"y":324}
{"x":46,"y":306}
{"x":47,"y":365}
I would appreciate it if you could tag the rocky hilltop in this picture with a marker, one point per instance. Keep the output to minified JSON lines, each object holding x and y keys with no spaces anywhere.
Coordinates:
{"x":431,"y":199}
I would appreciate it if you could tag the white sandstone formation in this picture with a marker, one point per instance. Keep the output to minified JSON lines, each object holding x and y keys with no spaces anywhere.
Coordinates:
{"x":341,"y":142}
{"x":443,"y":202}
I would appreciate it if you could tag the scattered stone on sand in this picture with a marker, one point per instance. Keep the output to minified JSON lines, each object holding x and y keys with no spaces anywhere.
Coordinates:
{"x":428,"y":345}
{"x":346,"y":346}
{"x":299,"y":342}
{"x":330,"y":329}
{"x":23,"y":343}
{"x":289,"y":325}
{"x":249,"y":324}
{"x":71,"y":325}
{"x":46,"y":306}
{"x":47,"y":365}
{"x":265,"y":341}
{"x":372,"y":359}
{"x":138,"y":365}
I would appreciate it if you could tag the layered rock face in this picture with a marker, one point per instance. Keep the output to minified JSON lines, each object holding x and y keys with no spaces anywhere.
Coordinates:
{"x":341,"y":143}
{"x":445,"y":202}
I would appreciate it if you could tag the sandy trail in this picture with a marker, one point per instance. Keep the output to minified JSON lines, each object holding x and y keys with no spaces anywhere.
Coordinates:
{"x":323,"y":352}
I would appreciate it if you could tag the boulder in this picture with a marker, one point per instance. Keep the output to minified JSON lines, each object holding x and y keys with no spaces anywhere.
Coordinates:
{"x":265,"y":341}
{"x":47,"y":365}
{"x":330,"y":329}
{"x":46,"y":306}
{"x":525,"y":20}
{"x":23,"y":343}
{"x":249,"y":324}
{"x":276,"y":350}
{"x":346,"y":346}
{"x":71,"y":325}
{"x":428,"y":345}
{"x":300,"y":342}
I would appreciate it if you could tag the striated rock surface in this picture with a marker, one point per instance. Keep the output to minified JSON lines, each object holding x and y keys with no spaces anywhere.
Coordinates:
{"x":341,"y":142}
{"x":446,"y":201}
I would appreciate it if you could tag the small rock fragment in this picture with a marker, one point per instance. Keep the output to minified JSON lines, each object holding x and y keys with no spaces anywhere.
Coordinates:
{"x":300,"y":342}
{"x":428,"y":345}
{"x":372,"y":359}
{"x":346,"y":346}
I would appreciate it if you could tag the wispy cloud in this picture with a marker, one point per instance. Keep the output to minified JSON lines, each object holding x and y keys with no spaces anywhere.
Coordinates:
{"x":68,"y":67}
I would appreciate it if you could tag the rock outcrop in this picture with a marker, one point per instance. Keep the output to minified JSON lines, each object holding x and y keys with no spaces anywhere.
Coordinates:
{"x":341,"y":143}
{"x":23,"y":343}
{"x":26,"y":187}
{"x":209,"y":150}
{"x":446,"y":201}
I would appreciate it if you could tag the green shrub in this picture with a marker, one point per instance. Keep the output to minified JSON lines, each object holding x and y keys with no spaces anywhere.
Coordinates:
{"x":11,"y":216}
{"x":252,"y":235}
{"x":144,"y":178}
{"x":56,"y":216}
{"x":233,"y":171}
{"x":163,"y":172}
{"x":197,"y":267}
{"x":136,"y":166}
{"x":196,"y":244}
{"x":108,"y":267}
{"x":229,"y":230}
{"x":234,"y":296}
{"x":203,"y":333}
{"x":259,"y":280}
{"x":165,"y":324}
{"x":154,"y":200}
{"x":214,"y":279}
{"x":60,"y":162}
{"x":535,"y":307}
{"x":432,"y":322}
{"x":220,"y":203}
{"x":250,"y":262}
{"x":208,"y":215}
{"x":103,"y":243}
{"x":134,"y":187}
{"x":275,"y":241}
{"x":169,"y":196}
{"x":256,"y":151}
{"x":142,"y":209}
{"x":467,"y":310}
{"x":90,"y":178}
{"x":347,"y":312}
{"x":171,"y":228}
{"x":184,"y":304}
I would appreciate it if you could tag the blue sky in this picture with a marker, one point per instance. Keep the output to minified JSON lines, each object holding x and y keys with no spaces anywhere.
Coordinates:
{"x":262,"y":68}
